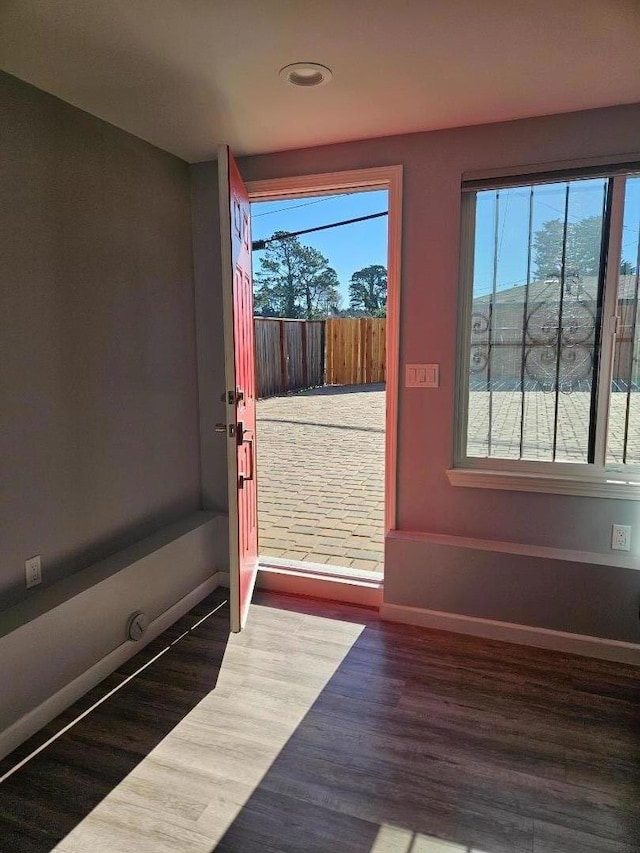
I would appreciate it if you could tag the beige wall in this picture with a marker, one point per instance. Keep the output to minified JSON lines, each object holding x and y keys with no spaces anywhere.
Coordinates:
{"x":99,"y":433}
{"x":210,"y":334}
{"x":433,"y":165}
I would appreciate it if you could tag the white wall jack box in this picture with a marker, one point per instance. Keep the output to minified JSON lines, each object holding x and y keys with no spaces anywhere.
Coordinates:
{"x":33,"y":570}
{"x":621,"y":537}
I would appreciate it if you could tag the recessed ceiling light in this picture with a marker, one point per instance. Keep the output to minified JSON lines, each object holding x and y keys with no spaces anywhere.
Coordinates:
{"x":306,"y":74}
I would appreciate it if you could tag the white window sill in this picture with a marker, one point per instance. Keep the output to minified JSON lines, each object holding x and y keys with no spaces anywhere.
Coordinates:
{"x":615,"y":486}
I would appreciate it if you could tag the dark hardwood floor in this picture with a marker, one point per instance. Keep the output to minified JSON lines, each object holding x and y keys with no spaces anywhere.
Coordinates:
{"x":321,"y":728}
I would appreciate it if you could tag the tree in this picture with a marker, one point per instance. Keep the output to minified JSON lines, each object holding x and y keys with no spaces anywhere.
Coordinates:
{"x":582,"y":252}
{"x":583,"y":249}
{"x":295,"y":281}
{"x":547,"y":249}
{"x":368,"y":290}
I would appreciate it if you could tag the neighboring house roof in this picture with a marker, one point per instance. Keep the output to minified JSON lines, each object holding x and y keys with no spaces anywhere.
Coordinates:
{"x":587,"y":289}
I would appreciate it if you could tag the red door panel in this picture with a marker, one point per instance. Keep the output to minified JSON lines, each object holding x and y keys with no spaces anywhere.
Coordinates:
{"x":235,"y":223}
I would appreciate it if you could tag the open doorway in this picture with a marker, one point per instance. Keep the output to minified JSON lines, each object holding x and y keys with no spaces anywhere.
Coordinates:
{"x":326,"y":372}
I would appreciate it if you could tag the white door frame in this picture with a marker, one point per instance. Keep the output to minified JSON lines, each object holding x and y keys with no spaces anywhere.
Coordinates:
{"x":383,"y":177}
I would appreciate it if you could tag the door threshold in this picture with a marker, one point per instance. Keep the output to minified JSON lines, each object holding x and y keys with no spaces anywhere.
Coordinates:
{"x":334,"y":583}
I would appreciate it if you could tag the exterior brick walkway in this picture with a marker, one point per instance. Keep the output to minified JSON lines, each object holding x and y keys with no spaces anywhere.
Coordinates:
{"x":321,"y":476}
{"x":321,"y":462}
{"x":539,"y":416}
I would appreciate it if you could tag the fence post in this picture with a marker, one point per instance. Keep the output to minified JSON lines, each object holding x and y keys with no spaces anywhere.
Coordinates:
{"x":323,"y":353}
{"x":362,"y":361}
{"x":284,"y":377}
{"x":303,"y":344}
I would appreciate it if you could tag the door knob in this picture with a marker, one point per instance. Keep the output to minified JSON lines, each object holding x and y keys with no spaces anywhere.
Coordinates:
{"x":221,"y":427}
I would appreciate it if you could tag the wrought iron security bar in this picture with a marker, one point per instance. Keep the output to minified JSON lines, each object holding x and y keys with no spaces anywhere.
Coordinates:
{"x":536,"y":324}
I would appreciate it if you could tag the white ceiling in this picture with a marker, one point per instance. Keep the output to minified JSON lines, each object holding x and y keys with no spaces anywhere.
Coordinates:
{"x":189,"y":74}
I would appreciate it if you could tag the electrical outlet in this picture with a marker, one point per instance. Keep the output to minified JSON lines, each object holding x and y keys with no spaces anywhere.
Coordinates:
{"x":621,"y":537}
{"x":33,"y":570}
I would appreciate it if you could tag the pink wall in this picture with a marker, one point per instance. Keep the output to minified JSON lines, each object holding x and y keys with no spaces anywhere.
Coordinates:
{"x":433,"y":164}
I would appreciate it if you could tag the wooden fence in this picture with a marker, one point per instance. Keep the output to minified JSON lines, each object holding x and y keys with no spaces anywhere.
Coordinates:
{"x":296,"y":354}
{"x":356,"y":351}
{"x":289,"y":355}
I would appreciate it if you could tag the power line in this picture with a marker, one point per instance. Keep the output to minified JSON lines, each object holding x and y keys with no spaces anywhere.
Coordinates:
{"x":262,"y":244}
{"x":296,"y":206}
{"x":577,"y":219}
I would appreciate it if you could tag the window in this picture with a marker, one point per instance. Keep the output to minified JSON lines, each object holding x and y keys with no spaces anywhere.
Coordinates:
{"x":549,"y":380}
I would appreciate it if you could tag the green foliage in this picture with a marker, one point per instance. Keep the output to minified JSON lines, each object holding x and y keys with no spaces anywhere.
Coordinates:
{"x":368,"y":291}
{"x":582,"y":252}
{"x":295,"y":281}
{"x":583,"y":249}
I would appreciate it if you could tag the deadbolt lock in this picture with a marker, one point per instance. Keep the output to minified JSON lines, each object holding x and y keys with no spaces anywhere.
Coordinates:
{"x":232,"y":397}
{"x":223,"y":428}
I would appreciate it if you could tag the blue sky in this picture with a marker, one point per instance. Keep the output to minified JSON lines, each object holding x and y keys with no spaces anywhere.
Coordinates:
{"x":348,"y":248}
{"x":631,"y":221}
{"x":586,"y":198}
{"x":352,"y":247}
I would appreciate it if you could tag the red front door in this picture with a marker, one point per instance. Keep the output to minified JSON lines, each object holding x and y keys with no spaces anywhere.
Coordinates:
{"x":235,"y":223}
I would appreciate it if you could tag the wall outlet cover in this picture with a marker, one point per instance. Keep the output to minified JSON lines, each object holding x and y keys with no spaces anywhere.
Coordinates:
{"x":33,"y":571}
{"x":621,"y":537}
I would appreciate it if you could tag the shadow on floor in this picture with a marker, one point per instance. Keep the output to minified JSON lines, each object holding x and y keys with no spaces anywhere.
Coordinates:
{"x":334,"y":390}
{"x":419,"y":742}
{"x":42,"y":802}
{"x":428,"y":742}
{"x":318,"y":424}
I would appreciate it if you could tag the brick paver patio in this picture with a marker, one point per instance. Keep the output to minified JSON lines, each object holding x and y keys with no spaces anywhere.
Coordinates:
{"x":321,"y":469}
{"x":539,"y":416}
{"x":321,"y":476}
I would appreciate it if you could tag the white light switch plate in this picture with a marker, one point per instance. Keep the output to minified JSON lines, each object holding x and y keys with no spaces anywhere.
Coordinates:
{"x":422,"y":376}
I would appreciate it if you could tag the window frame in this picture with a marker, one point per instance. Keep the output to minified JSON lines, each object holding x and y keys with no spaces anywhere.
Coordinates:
{"x":594,"y":479}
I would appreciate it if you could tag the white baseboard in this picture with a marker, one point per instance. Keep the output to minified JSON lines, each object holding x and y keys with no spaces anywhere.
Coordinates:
{"x":527,"y":635}
{"x":34,"y":720}
{"x":365,"y":592}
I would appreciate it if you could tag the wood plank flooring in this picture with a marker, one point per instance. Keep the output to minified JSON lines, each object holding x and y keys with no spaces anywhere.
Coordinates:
{"x":321,"y":728}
